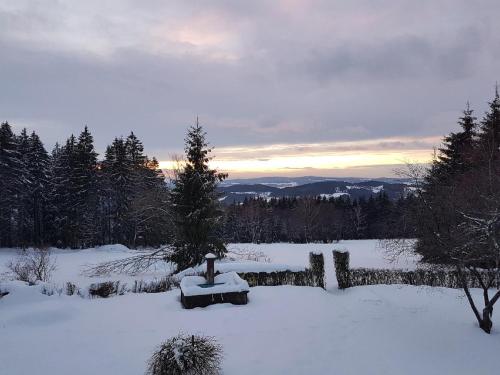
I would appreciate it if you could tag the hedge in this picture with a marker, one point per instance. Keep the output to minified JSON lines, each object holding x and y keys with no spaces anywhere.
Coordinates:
{"x":447,"y":278}
{"x":313,"y":276}
{"x":341,"y":262}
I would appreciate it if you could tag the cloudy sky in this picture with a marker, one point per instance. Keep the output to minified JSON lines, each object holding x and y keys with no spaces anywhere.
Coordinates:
{"x":332,"y":88}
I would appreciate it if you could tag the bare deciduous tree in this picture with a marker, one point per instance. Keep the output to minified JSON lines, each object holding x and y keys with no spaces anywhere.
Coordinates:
{"x":132,"y":265}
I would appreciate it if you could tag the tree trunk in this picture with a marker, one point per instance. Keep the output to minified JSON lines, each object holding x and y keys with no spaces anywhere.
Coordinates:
{"x":486,"y":322}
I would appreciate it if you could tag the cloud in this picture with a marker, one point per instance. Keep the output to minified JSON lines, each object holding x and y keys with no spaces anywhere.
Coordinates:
{"x":297,"y":73}
{"x":334,"y":158}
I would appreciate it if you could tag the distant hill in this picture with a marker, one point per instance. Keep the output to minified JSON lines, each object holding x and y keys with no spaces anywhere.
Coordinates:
{"x":269,"y":187}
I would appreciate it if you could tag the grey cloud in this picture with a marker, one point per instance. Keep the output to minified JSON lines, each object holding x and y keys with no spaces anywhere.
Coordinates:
{"x":402,"y":58}
{"x":299,"y":75}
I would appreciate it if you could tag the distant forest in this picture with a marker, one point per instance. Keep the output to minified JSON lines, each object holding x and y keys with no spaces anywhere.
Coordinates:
{"x":317,"y":219}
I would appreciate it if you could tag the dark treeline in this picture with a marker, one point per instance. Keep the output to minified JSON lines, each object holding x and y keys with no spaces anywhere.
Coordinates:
{"x":318,"y":219}
{"x":69,"y":198}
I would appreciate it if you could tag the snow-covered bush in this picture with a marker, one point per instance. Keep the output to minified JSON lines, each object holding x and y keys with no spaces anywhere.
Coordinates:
{"x":317,"y":264}
{"x":341,"y":262}
{"x":187,"y":355}
{"x":33,"y":265}
{"x":438,"y":277}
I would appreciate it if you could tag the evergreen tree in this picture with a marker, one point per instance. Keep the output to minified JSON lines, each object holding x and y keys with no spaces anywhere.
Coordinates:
{"x":197,"y":213}
{"x":147,"y":216}
{"x":135,"y":151}
{"x":456,"y":153}
{"x":489,"y":138}
{"x":30,"y":200}
{"x":64,"y":194}
{"x":85,"y":179}
{"x":458,"y":215}
{"x":117,"y":177}
{"x":38,"y":167}
{"x":12,"y":171}
{"x":24,"y":206}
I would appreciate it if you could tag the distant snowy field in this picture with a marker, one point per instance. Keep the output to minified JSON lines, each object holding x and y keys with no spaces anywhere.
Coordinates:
{"x":385,"y":330}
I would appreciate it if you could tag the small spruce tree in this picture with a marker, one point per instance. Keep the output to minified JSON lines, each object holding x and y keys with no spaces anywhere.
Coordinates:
{"x":198,"y":216}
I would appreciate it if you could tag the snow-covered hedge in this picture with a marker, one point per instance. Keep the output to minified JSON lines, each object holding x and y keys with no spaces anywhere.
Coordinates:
{"x":341,"y":262}
{"x":441,"y":277}
{"x":431,"y":277}
{"x":116,"y":288}
{"x":269,"y":274}
{"x":317,"y":264}
{"x":314,"y":275}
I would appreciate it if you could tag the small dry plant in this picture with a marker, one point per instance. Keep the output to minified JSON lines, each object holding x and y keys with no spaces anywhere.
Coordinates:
{"x":33,"y":265}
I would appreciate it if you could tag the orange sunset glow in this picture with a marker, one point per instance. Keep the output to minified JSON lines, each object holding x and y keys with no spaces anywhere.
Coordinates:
{"x":334,"y":158}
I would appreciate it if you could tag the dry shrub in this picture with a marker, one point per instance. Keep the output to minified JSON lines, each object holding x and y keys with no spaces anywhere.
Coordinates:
{"x":71,"y":289}
{"x":187,"y":355}
{"x":106,"y":289}
{"x":154,"y":286}
{"x":33,"y":265}
{"x":247,"y":254}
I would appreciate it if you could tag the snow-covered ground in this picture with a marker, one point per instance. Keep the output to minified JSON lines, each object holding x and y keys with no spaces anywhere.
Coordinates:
{"x":71,"y":263}
{"x":283,"y":330}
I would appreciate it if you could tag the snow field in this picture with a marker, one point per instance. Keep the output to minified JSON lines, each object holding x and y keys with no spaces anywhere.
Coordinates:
{"x":378,"y":329}
{"x":283,"y":330}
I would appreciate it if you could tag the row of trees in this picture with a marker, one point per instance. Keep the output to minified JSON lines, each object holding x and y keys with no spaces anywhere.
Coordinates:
{"x":71,"y":199}
{"x":458,"y":211}
{"x":318,"y":219}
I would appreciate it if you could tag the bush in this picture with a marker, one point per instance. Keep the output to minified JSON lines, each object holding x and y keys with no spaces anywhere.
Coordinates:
{"x":3,"y":293}
{"x":105,"y":289}
{"x":341,"y":261}
{"x":50,"y":290}
{"x":317,"y":264}
{"x":154,"y":286}
{"x":435,"y":277}
{"x":33,"y":265}
{"x":297,"y":278}
{"x":447,"y":278}
{"x":71,"y":289}
{"x":187,"y":355}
